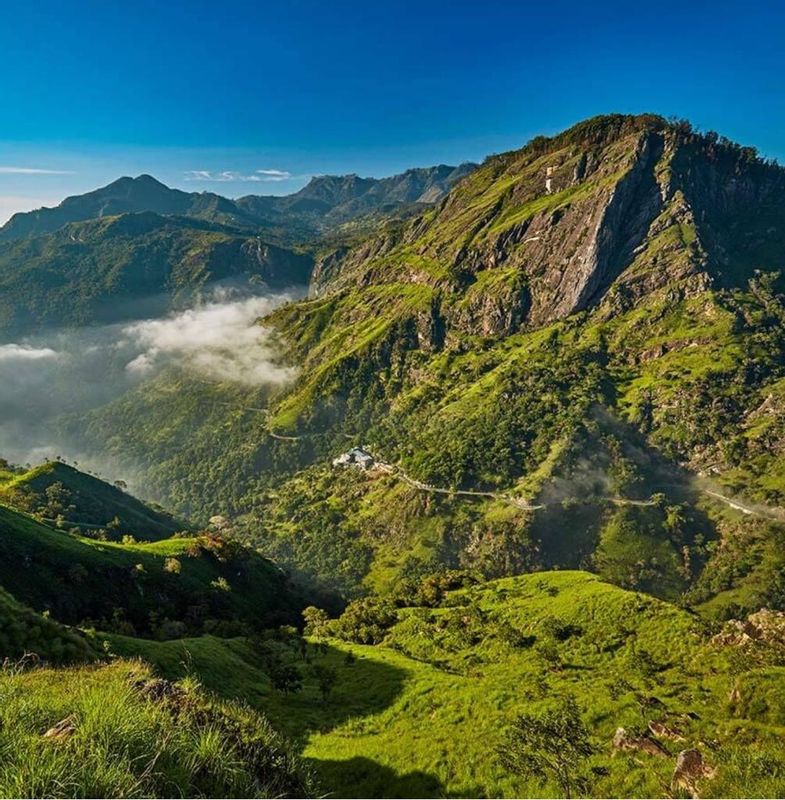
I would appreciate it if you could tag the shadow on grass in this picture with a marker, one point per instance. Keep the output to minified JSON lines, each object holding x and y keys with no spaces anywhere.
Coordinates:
{"x":363,"y":687}
{"x":363,"y":777}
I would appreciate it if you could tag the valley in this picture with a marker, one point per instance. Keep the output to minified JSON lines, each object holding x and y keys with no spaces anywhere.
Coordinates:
{"x":361,"y":490}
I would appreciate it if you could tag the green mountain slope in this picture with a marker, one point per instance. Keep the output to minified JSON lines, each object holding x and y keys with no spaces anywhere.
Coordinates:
{"x":473,"y":660}
{"x":59,"y":492}
{"x":163,"y":588}
{"x":589,"y":329}
{"x":109,"y":269}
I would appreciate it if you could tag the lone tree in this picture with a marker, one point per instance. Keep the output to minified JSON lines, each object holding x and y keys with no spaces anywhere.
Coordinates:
{"x":553,"y":744}
{"x":326,"y":678}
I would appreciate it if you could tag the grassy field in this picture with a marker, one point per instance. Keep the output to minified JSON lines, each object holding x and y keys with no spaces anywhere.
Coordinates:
{"x":424,"y":713}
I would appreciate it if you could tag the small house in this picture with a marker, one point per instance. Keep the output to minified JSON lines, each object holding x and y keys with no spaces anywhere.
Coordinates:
{"x":356,"y":457}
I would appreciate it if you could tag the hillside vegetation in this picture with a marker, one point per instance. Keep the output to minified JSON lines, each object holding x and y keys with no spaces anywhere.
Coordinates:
{"x":123,"y":267}
{"x":62,"y":494}
{"x":425,"y":688}
{"x":575,"y":325}
{"x":557,"y":568}
{"x":165,"y":588}
{"x":115,"y":731}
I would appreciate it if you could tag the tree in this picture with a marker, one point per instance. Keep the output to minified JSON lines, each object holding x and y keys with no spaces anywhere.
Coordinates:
{"x":57,"y":501}
{"x":552,"y":744}
{"x":286,"y":678}
{"x":316,"y":620}
{"x":326,"y":678}
{"x":173,"y":566}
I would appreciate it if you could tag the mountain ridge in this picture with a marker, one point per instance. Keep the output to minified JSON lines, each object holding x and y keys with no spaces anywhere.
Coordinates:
{"x":320,"y":197}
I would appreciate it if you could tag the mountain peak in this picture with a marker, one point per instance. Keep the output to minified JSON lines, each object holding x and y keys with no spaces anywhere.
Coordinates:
{"x":608,"y":211}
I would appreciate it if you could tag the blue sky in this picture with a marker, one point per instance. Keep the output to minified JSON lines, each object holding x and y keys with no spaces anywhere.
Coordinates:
{"x":245,"y":98}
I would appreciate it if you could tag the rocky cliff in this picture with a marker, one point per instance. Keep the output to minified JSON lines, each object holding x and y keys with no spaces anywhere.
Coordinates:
{"x":605,"y":213}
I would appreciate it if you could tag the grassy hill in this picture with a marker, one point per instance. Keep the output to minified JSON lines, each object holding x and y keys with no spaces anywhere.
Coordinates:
{"x":425,"y":711}
{"x":55,"y":490}
{"x":164,"y":588}
{"x":124,"y":734}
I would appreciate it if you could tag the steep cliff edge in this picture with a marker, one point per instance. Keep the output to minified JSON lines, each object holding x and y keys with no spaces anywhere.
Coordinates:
{"x":606,"y":212}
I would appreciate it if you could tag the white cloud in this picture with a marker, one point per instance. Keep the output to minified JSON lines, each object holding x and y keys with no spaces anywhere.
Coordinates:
{"x":220,"y":340}
{"x":34,"y":171}
{"x":24,"y":352}
{"x":274,"y":174}
{"x":225,"y":176}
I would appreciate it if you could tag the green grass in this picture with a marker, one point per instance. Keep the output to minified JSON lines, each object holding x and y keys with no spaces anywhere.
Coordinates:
{"x":80,"y":579}
{"x":124,"y":744}
{"x":422,"y":714}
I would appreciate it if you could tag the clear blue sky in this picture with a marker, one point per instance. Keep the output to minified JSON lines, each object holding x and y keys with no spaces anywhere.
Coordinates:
{"x":192,"y":91}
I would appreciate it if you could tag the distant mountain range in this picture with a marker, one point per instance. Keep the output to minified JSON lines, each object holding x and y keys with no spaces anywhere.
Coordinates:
{"x":325,"y":202}
{"x":137,"y":238}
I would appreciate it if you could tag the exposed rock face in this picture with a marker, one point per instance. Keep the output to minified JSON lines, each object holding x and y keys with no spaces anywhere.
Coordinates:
{"x":645,"y":744}
{"x":663,"y":731}
{"x":764,"y":626}
{"x":603,"y":215}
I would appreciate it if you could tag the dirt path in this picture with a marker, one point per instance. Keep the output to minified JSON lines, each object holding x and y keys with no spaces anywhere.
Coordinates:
{"x":755,"y":510}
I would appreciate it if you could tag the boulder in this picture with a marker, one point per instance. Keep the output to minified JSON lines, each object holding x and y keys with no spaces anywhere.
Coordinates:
{"x":663,"y":731}
{"x":645,"y":744}
{"x":690,"y":768}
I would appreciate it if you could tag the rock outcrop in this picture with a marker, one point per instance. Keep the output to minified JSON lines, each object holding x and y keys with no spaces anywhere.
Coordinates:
{"x":604,"y":215}
{"x":690,"y":768}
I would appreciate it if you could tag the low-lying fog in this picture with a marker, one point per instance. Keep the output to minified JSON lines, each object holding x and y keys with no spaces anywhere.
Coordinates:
{"x":74,"y":370}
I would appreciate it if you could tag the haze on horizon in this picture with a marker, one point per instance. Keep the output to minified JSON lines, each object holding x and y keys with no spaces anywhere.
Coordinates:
{"x":255,"y":98}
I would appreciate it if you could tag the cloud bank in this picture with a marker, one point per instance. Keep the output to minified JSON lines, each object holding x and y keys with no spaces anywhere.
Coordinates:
{"x":218,"y":340}
{"x":25,"y":352}
{"x":69,"y":372}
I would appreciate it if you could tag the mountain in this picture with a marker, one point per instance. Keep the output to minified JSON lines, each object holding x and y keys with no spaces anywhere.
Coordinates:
{"x":105,"y":270}
{"x":61,"y":493}
{"x":123,"y":196}
{"x":628,"y":202}
{"x":530,"y":462}
{"x":326,"y":201}
{"x":573,"y":360}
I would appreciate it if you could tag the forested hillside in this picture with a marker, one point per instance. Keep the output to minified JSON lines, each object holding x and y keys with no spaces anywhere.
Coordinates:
{"x":623,"y":400}
{"x":509,"y":521}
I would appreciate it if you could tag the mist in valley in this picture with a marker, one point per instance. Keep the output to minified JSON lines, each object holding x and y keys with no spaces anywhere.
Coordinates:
{"x":64,"y":373}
